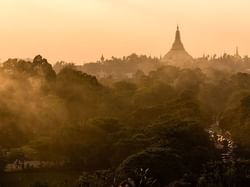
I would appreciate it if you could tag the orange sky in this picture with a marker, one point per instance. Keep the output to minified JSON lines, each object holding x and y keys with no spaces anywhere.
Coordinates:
{"x":81,"y":30}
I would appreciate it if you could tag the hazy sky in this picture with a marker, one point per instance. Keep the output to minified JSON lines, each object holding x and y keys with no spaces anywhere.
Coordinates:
{"x":81,"y":30}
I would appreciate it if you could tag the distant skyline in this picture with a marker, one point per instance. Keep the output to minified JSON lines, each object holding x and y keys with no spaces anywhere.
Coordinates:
{"x":82,"y":30}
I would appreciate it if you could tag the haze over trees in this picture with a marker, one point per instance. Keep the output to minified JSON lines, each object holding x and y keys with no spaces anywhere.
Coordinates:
{"x":124,"y":114}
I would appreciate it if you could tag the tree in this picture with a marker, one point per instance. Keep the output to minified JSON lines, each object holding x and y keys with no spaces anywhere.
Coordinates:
{"x":160,"y":161}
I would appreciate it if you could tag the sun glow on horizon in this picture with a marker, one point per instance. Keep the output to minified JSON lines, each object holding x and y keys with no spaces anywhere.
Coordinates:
{"x":80,"y":31}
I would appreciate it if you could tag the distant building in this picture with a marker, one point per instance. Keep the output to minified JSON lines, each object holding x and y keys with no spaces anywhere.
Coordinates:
{"x":178,"y":56}
{"x":102,"y":58}
{"x":237,"y":52}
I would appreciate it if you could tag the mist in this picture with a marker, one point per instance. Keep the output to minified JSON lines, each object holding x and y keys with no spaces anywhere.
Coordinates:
{"x":126,"y":94}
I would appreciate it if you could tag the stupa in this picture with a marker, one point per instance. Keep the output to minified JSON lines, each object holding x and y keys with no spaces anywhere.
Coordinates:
{"x":178,"y":56}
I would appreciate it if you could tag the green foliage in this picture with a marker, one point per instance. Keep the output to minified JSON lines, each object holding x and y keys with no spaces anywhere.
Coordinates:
{"x":161,"y":161}
{"x":136,"y":115}
{"x":87,"y":119}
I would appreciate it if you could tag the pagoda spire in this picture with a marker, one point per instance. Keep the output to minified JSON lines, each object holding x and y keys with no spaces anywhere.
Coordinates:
{"x":237,"y":51}
{"x":177,"y":56}
{"x":102,"y":58}
{"x":177,"y":43}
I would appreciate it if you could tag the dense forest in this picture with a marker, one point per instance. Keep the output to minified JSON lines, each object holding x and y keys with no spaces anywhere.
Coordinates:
{"x":145,"y":125}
